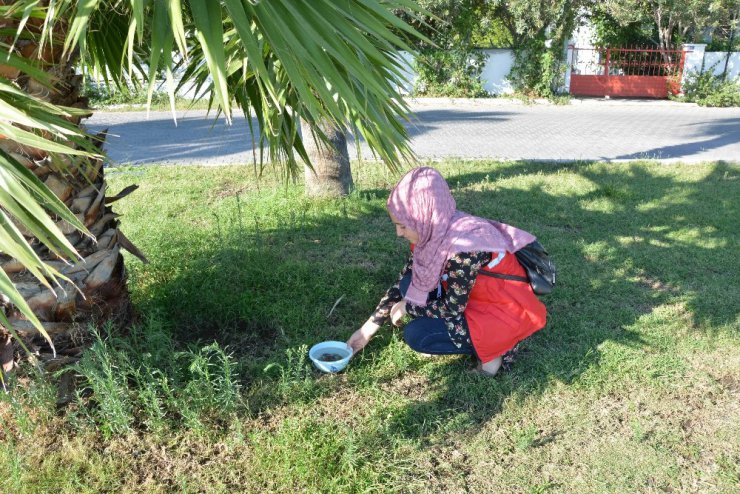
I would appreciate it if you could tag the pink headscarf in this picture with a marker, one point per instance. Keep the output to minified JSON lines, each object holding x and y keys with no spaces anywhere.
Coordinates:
{"x":422,"y":201}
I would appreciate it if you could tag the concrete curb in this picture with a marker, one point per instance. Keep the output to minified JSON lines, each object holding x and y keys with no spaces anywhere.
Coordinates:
{"x":483,"y":103}
{"x":502,"y":101}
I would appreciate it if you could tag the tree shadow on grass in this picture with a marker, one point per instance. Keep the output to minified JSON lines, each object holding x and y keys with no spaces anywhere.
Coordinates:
{"x":633,"y":241}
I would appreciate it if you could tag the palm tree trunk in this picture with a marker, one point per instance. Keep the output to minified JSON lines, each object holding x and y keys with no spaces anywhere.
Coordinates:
{"x":99,"y":291}
{"x":331,"y":175}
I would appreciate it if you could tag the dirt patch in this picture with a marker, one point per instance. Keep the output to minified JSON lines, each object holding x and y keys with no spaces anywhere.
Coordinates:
{"x":346,"y":406}
{"x":343,"y":405}
{"x":159,"y":466}
{"x":446,"y":468}
{"x":655,"y":284}
{"x":227,"y":190}
{"x":730,"y":383}
{"x":410,"y":385}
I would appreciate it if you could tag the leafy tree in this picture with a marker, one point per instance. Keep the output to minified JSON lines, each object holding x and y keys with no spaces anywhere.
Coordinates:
{"x":610,"y":32}
{"x":725,"y":31}
{"x":280,"y":61}
{"x":531,"y":19}
{"x":491,"y":32}
{"x":538,"y":30}
{"x":677,"y":21}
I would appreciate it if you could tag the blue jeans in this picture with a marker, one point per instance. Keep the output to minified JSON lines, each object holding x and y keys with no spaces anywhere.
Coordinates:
{"x":429,"y":334}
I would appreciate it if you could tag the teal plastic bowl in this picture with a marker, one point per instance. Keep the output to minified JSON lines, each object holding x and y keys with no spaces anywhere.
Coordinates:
{"x":336,"y":349}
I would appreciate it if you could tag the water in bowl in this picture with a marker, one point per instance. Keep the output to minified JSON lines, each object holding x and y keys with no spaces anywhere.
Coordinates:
{"x":331,"y":357}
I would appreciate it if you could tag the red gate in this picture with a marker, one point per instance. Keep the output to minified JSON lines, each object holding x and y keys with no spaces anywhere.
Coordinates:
{"x":625,"y":72}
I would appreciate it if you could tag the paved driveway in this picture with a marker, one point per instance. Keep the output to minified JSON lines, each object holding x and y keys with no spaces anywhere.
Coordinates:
{"x":501,"y":129}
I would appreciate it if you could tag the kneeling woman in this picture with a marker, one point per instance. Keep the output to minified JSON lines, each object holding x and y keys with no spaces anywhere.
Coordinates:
{"x":447,"y":286}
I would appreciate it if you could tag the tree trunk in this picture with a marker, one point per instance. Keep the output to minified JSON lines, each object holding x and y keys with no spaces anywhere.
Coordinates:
{"x":101,"y":276}
{"x":331,"y":175}
{"x":731,"y":44}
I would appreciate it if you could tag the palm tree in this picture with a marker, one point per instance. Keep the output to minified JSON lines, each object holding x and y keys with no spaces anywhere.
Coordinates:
{"x":279,"y":61}
{"x":46,"y":163}
{"x":329,"y":173}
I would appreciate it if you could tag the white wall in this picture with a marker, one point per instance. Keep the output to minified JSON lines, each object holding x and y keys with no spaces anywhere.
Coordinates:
{"x":715,"y":61}
{"x":698,"y":60}
{"x":496,"y":70}
{"x":407,"y":63}
{"x":494,"y":74}
{"x":583,"y":35}
{"x":500,"y":60}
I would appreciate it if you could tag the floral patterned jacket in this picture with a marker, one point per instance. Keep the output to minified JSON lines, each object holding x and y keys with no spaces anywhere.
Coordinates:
{"x":460,"y":273}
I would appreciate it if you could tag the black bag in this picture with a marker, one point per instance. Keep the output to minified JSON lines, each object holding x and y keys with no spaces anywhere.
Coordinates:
{"x":536,"y":262}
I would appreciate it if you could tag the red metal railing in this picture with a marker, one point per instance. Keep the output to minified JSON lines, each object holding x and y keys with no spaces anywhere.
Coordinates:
{"x":627,"y":61}
{"x":637,"y":71}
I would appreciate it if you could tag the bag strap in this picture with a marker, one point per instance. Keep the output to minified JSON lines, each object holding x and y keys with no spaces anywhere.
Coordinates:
{"x":504,"y":276}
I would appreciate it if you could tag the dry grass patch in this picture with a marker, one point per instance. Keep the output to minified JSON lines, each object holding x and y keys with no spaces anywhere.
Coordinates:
{"x":682,"y":437}
{"x":411,"y":386}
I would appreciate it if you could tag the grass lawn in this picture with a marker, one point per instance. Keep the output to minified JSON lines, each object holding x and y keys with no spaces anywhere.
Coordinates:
{"x":633,"y":386}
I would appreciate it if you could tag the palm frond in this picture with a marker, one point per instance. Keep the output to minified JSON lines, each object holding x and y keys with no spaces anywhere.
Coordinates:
{"x":22,"y":201}
{"x":281,"y":61}
{"x":30,"y":124}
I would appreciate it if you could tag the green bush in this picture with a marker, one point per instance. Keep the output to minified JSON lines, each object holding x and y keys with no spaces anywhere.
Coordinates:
{"x":706,"y":89}
{"x":449,"y":66}
{"x":100,"y":95}
{"x":538,"y":71}
{"x":450,"y":73}
{"x":104,"y":393}
{"x":727,"y":94}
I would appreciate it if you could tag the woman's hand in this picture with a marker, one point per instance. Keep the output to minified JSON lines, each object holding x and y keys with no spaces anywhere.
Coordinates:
{"x":362,"y":336}
{"x":397,"y":312}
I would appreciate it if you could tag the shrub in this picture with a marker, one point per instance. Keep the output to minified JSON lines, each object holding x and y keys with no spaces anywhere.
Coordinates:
{"x":706,"y":89}
{"x":104,"y":390}
{"x":100,"y":95}
{"x":450,"y":73}
{"x":449,"y":65}
{"x":538,"y":71}
{"x":726,"y":94}
{"x":141,"y":380}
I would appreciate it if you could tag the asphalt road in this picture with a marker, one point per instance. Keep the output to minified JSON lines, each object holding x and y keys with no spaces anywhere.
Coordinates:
{"x":584,"y":130}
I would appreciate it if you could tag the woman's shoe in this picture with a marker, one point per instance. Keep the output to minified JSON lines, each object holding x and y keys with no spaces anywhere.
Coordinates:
{"x":489,"y":369}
